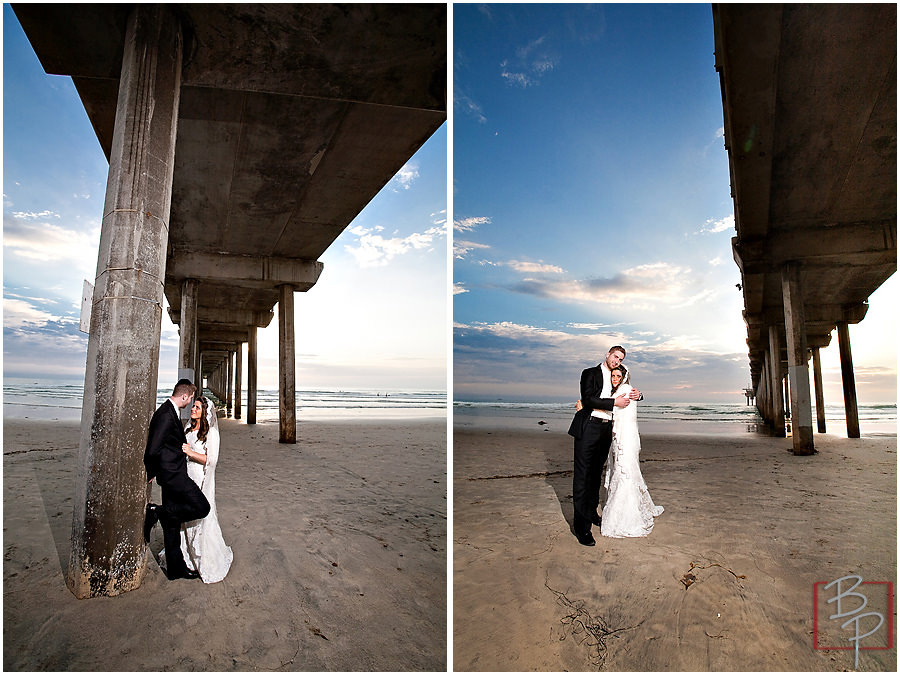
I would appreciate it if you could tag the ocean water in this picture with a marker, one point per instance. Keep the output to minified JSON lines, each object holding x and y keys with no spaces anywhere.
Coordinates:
{"x":35,"y":399}
{"x":725,"y":419}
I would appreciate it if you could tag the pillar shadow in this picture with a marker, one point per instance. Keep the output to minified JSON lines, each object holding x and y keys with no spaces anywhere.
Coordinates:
{"x":54,"y":480}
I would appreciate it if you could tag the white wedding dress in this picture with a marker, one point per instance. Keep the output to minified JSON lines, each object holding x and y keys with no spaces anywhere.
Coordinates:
{"x":629,"y":511}
{"x":202,"y":544}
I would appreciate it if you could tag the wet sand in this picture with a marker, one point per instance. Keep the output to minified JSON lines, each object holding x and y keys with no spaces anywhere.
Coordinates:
{"x":725,"y":581}
{"x":339,"y":544}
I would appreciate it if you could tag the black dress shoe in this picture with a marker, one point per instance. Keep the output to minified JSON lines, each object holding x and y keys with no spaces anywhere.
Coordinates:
{"x":596,"y":520}
{"x":586,"y":539}
{"x":151,"y":517}
{"x":186,"y":574}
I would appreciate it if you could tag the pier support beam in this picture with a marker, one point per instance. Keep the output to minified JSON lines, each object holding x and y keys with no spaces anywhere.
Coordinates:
{"x":820,"y":394}
{"x":777,"y":391}
{"x":251,"y":375}
{"x":798,"y":368}
{"x":187,"y":328}
{"x":238,"y":370}
{"x":848,"y":379}
{"x":287,"y":401}
{"x":230,"y":376}
{"x":108,"y":554}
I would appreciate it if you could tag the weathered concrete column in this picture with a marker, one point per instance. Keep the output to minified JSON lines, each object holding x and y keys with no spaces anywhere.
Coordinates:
{"x":848,"y":379}
{"x":251,"y":375}
{"x":762,"y":390}
{"x":820,"y":394}
{"x":109,"y":555}
{"x":230,"y":376}
{"x":798,"y":368}
{"x":287,"y":398}
{"x":238,"y":369}
{"x":187,"y":326}
{"x":777,"y":392}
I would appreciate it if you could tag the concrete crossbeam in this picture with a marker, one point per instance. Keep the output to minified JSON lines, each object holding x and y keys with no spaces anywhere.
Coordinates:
{"x":247,"y":271}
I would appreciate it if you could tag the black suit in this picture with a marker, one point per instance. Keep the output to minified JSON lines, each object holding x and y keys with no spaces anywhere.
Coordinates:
{"x":592,"y":440}
{"x":182,"y":500}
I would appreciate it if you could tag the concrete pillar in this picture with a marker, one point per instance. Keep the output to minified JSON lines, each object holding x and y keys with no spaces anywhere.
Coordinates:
{"x":786,"y":387}
{"x":762,"y":390}
{"x":251,"y":375}
{"x":798,"y":364}
{"x":287,"y":401}
{"x":848,"y":380}
{"x":108,"y":554}
{"x":187,"y":325}
{"x":820,"y":394}
{"x":230,"y":376}
{"x":238,"y":370}
{"x":777,"y":394}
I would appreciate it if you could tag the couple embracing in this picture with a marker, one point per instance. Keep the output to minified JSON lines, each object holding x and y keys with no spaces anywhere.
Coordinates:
{"x":605,"y":431}
{"x":183,"y":462}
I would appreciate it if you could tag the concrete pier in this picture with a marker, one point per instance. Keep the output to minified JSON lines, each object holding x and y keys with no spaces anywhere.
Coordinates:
{"x":108,"y":552}
{"x":809,"y":99}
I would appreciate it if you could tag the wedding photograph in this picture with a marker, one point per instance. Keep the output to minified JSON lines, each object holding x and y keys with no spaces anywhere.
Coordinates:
{"x":674,"y":237}
{"x":225,"y":337}
{"x":449,"y":337}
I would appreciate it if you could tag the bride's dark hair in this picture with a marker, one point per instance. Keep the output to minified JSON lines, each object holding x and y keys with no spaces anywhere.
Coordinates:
{"x":624,"y":372}
{"x":203,"y":422}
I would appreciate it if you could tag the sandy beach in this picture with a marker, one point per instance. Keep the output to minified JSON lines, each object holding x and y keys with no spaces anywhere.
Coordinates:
{"x":339,"y":544}
{"x":725,"y":581}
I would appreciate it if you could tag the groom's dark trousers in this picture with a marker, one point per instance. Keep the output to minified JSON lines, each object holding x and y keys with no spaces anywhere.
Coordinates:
{"x":591,"y":451}
{"x":593,"y":437}
{"x":182,"y":500}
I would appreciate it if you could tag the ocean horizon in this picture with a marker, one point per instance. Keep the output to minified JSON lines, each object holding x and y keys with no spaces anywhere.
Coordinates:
{"x":28,"y":398}
{"x":726,"y":419}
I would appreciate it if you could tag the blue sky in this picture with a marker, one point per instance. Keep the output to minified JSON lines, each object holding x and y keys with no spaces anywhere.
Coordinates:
{"x":377,"y":318}
{"x":592,"y":208}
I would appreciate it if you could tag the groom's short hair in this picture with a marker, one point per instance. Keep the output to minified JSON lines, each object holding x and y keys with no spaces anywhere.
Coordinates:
{"x":184,"y":386}
{"x":617,"y":348}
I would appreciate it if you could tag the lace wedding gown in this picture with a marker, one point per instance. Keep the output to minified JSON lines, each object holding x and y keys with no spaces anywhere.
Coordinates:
{"x":629,"y":511}
{"x":202,"y":543}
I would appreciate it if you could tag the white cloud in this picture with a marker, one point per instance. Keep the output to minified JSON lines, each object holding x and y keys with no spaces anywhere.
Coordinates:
{"x":373,"y":250}
{"x":520,"y":79}
{"x":715,"y":262}
{"x":534,"y":267}
{"x":46,"y":242}
{"x":459,"y":289}
{"x":469,"y":224}
{"x":469,"y":107}
{"x":405,"y":177}
{"x":31,"y":215}
{"x":462,"y":248}
{"x":21,"y":314}
{"x":640,"y":288}
{"x":715,"y":226}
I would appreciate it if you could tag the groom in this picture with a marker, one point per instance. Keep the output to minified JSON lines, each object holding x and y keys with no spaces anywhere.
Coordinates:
{"x":165,"y":460}
{"x":592,"y":429}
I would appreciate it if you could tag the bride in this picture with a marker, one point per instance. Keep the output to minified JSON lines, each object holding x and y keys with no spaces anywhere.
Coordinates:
{"x":629,"y":511}
{"x":202,"y":544}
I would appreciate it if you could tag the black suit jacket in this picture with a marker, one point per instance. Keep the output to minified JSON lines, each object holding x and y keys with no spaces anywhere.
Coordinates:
{"x":591,"y":388}
{"x":163,"y":457}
